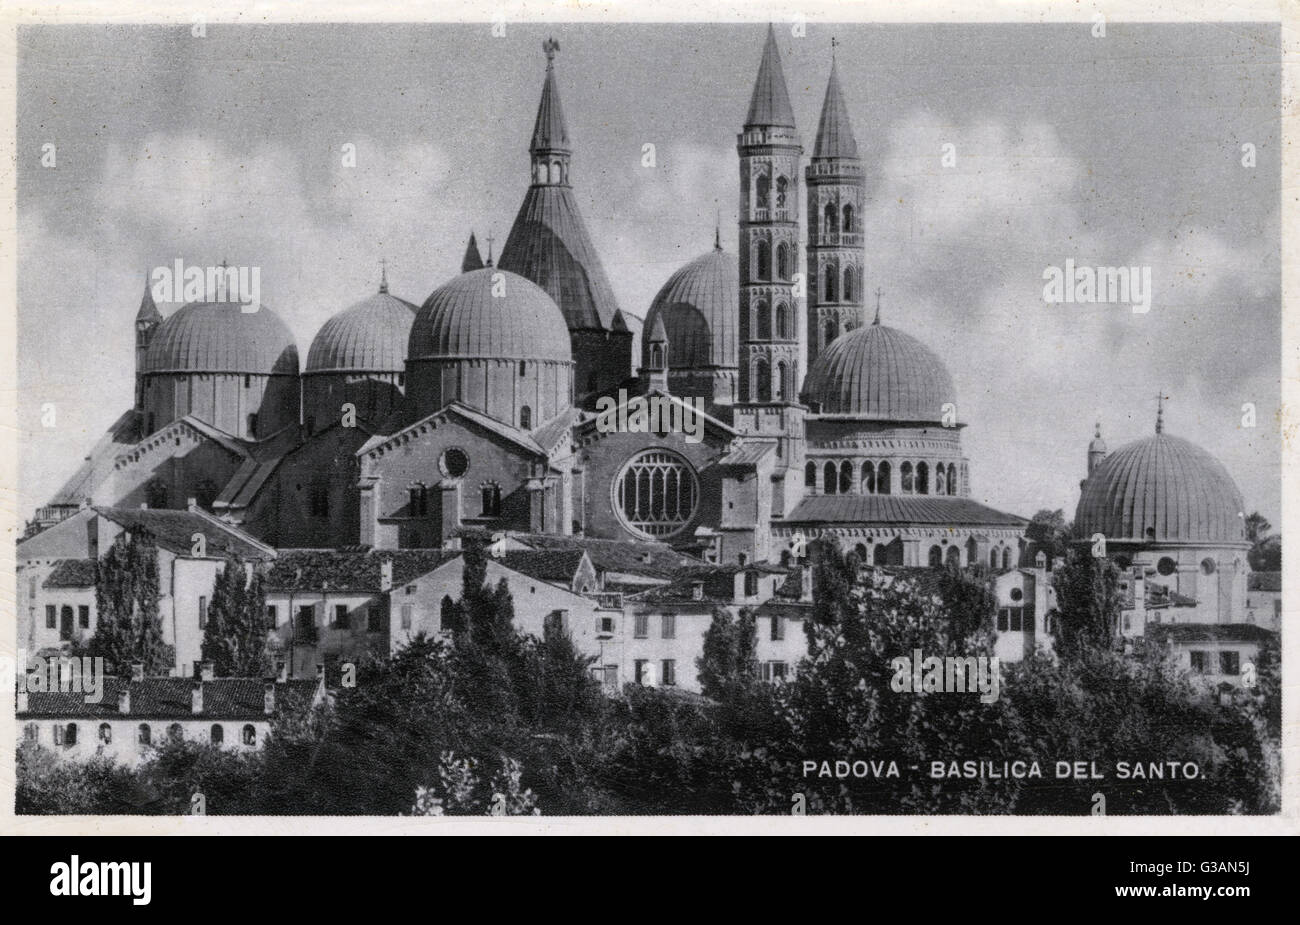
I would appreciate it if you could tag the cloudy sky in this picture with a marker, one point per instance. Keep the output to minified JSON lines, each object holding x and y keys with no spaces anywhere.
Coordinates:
{"x":1122,"y":150}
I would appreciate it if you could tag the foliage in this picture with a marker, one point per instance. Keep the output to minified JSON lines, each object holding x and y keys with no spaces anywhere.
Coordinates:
{"x":235,"y":636}
{"x":126,"y":599}
{"x":1088,"y":603}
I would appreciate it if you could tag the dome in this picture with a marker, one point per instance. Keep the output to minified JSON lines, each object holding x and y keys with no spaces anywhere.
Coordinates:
{"x":218,"y":337}
{"x":699,"y":307}
{"x":463,"y":319}
{"x":880,"y":373}
{"x":1161,"y":489}
{"x":370,"y":336}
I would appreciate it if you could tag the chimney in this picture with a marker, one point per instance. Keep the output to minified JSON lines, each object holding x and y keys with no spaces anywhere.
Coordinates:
{"x":281,"y":670}
{"x":386,"y":575}
{"x":196,"y":697}
{"x":206,"y":670}
{"x":268,"y":698}
{"x":124,"y":700}
{"x":191,"y":504}
{"x":137,"y":671}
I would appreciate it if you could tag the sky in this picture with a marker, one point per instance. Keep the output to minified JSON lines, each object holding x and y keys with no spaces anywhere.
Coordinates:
{"x":1125,"y":150}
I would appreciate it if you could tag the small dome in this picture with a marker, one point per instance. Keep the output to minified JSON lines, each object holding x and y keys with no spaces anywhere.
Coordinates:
{"x":463,"y":319}
{"x":881,"y":374}
{"x":1161,"y":489}
{"x":370,"y":336}
{"x":218,"y":337}
{"x":699,"y":307}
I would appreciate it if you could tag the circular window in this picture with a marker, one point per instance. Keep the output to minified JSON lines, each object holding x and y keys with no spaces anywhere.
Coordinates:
{"x":1207,"y":567}
{"x":1166,"y":566}
{"x":454,"y":463}
{"x":656,"y":494}
{"x":1017,"y":594}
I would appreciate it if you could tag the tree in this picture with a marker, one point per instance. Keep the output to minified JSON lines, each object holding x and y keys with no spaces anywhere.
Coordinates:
{"x":729,"y":662}
{"x":1088,"y":603}
{"x":1265,"y":553}
{"x":126,"y":598}
{"x":234,"y":638}
{"x":1049,"y":532}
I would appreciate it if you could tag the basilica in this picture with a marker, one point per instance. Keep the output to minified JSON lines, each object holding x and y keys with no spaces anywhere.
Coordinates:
{"x":475,"y":409}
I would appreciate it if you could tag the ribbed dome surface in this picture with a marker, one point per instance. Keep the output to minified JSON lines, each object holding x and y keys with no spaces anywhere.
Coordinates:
{"x":464,"y":319}
{"x":217,"y":337}
{"x":700,"y":308}
{"x":370,"y":336}
{"x":1166,"y":484}
{"x":879,"y":373}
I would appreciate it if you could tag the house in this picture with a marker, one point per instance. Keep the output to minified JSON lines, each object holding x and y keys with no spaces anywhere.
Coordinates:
{"x":1264,"y":600}
{"x":1215,"y":653}
{"x":1026,"y":606}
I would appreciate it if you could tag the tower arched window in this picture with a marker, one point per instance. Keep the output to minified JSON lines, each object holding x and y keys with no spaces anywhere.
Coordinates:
{"x":848,"y":284}
{"x":782,"y":374}
{"x":830,"y":284}
{"x":846,"y":477}
{"x":831,"y":331}
{"x":523,"y":367}
{"x":782,"y":185}
{"x":763,"y":379}
{"x":656,"y":356}
{"x":952,"y":479}
{"x":884,"y":476}
{"x":764,"y":321}
{"x":782,"y":261}
{"x":905,"y":473}
{"x":763,"y":190}
{"x":764,"y":261}
{"x":954,"y":555}
{"x":491,"y":496}
{"x":848,"y":218}
{"x":993,"y":559}
{"x":939,"y":480}
{"x":829,"y":225}
{"x":1006,"y":557}
{"x":868,"y":479}
{"x":830,"y":478}
{"x":525,"y":418}
{"x":810,"y":475}
{"x":782,"y":322}
{"x":922,"y":479}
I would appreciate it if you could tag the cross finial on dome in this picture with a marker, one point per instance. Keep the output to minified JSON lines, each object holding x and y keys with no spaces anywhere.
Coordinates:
{"x":834,"y":42}
{"x":490,"y":238}
{"x":877,"y":321}
{"x":550,"y":46}
{"x":1097,"y":431}
{"x":717,"y":231}
{"x":383,"y":274}
{"x":1160,"y":413}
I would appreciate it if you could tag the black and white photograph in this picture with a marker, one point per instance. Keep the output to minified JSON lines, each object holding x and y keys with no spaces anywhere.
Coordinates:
{"x":773,"y":416}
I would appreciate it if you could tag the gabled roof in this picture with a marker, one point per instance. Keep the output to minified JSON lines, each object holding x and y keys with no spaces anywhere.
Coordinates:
{"x":71,"y":573}
{"x":549,"y":435}
{"x":770,"y":102}
{"x":589,"y":421}
{"x":98,"y":462}
{"x":174,"y":531}
{"x":190,"y":426}
{"x":170,"y":699}
{"x":835,"y":131}
{"x":465,"y":412}
{"x":551,"y":565}
{"x":350,"y":569}
{"x":749,"y":453}
{"x":651,"y":560}
{"x":900,"y":509}
{"x":1209,"y":632}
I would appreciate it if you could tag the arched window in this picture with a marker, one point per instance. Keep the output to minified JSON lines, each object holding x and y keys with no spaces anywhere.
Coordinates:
{"x":250,"y":734}
{"x":782,"y":261}
{"x":860,"y":550}
{"x":656,"y":356}
{"x":175,"y":732}
{"x":829,"y":227}
{"x":782,"y":372}
{"x":846,"y":477}
{"x":830,"y":284}
{"x":883,"y":478}
{"x":523,"y":367}
{"x":763,"y":379}
{"x":782,"y":322}
{"x":993,"y":559}
{"x":525,"y":418}
{"x":848,"y":218}
{"x":939,"y":488}
{"x":848,"y":284}
{"x":868,"y":479}
{"x":143,"y":735}
{"x":764,"y":191}
{"x":106,"y":733}
{"x":829,"y":479}
{"x":217,"y":734}
{"x":880,"y":555}
{"x":764,"y":321}
{"x":1006,"y":558}
{"x":156,"y":494}
{"x":810,"y":475}
{"x":764,"y":262}
{"x":905,"y":472}
{"x":954,"y":555}
{"x":922,"y":479}
{"x":782,"y":185}
{"x":952,"y":479}
{"x":832,"y":331}
{"x":936,"y":557}
{"x":491,"y":494}
{"x":656,"y":493}
{"x":70,"y":735}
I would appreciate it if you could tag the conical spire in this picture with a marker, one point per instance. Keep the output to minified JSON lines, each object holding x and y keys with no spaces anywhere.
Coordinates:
{"x":473,"y":260}
{"x":148,"y":308}
{"x":549,"y":132}
{"x":657,"y":333}
{"x":835,"y":131}
{"x":770,"y":102}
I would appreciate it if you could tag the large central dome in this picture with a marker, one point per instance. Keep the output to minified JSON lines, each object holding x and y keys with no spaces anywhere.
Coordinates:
{"x":1161,"y":489}
{"x":879,"y":373}
{"x":699,"y":305}
{"x":490,"y":314}
{"x":218,"y":337}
